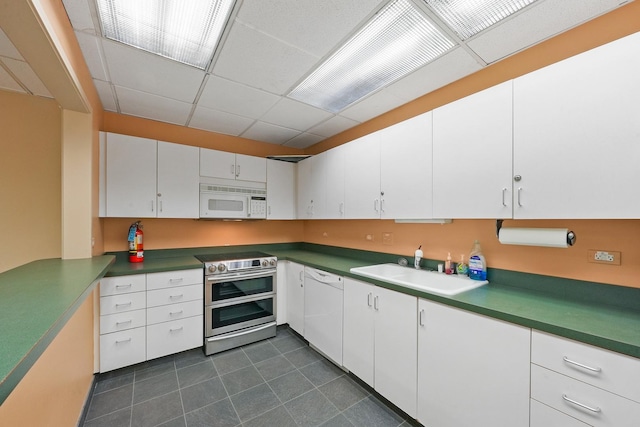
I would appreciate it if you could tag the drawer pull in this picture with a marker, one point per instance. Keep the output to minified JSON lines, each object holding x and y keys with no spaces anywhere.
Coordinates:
{"x":176,"y":329}
{"x":582,"y":405}
{"x":176,"y":296}
{"x":124,"y":304}
{"x":123,"y":322}
{"x":588,"y":368}
{"x":123,"y":341}
{"x":123,"y":286}
{"x":173,"y":313}
{"x":179,"y":279}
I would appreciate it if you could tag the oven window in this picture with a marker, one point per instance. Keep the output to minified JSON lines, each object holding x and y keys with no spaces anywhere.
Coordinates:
{"x":239,"y":313}
{"x":241,"y":287}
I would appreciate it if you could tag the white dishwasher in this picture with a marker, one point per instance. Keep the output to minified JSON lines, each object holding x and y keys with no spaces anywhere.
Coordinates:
{"x":323,"y":312}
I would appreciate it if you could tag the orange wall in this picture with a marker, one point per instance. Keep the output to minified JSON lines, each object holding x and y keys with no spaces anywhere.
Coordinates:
{"x":436,"y":239}
{"x":54,"y":390}
{"x":30,"y":174}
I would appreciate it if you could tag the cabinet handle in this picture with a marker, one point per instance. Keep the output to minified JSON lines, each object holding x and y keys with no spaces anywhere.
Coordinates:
{"x":341,"y":209}
{"x":237,"y":171}
{"x":375,"y":205}
{"x":123,"y":286}
{"x":375,"y":303}
{"x":269,"y":210}
{"x":179,"y":279}
{"x":369,"y":295}
{"x":176,"y":329}
{"x":233,"y":169}
{"x":152,"y":206}
{"x":124,"y":304}
{"x":176,"y":296}
{"x":160,"y":205}
{"x":420,"y":320}
{"x":173,"y":313}
{"x":519,"y":200}
{"x":582,"y":405}
{"x":504,"y":191}
{"x":589,"y":368}
{"x":123,"y":322}
{"x":382,"y":205}
{"x":123,"y":341}
{"x":301,"y":278}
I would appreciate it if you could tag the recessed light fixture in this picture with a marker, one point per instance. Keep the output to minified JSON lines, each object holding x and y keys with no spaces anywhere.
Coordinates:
{"x":396,"y":41}
{"x":187,"y":31}
{"x":469,"y":17}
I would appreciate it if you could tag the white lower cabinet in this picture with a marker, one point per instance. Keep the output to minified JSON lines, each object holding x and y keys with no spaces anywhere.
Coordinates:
{"x":379,"y":341}
{"x":295,"y":296}
{"x":163,"y":316}
{"x":472,"y":370}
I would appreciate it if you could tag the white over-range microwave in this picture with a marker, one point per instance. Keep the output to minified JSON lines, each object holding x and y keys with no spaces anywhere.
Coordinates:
{"x":232,"y":199}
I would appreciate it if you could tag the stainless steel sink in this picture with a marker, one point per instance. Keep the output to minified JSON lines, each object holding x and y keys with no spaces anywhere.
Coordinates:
{"x":423,"y":280}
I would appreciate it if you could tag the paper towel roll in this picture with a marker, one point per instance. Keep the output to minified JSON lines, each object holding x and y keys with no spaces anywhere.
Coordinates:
{"x":548,"y":237}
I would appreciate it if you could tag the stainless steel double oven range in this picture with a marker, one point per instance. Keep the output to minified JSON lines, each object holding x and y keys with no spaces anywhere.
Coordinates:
{"x":239,"y":299}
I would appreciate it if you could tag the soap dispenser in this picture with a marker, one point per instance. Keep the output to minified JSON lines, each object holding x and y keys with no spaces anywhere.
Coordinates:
{"x":418,"y":257}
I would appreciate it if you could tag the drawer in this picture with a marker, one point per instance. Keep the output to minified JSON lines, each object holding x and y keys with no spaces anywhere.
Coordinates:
{"x":166,"y":313}
{"x":173,"y":337}
{"x":122,"y":321}
{"x":168,"y":279}
{"x":611,"y":371}
{"x":122,"y":348}
{"x":545,"y":416}
{"x":122,"y":284}
{"x":120,"y":303}
{"x":585,"y":402}
{"x":174,"y":295}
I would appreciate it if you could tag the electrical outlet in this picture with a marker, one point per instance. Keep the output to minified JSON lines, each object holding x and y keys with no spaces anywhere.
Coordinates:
{"x":387,"y":238}
{"x":369,"y":237}
{"x":603,"y":257}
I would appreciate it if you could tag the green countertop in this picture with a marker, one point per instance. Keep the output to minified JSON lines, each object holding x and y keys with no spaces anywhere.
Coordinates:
{"x":36,"y":300}
{"x":606,"y":316}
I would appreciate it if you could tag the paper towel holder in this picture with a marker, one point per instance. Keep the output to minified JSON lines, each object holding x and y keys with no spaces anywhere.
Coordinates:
{"x":571,"y":236}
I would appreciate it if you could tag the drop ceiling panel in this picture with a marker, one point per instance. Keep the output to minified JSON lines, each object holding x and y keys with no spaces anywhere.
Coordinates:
{"x":333,"y":126}
{"x":7,"y":48}
{"x":136,"y":69}
{"x":313,"y":26}
{"x":7,"y":82}
{"x":295,"y":115}
{"x":141,"y":104}
{"x":453,"y":66}
{"x":273,"y":134}
{"x":304,"y":140}
{"x":80,"y":15}
{"x":260,"y":61}
{"x":231,"y":97}
{"x":27,"y":77}
{"x":219,"y":121}
{"x":90,"y":46}
{"x":376,"y":104}
{"x":538,"y":22}
{"x":106,"y":95}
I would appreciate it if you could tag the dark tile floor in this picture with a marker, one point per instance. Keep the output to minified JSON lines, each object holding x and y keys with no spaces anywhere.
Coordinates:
{"x":278,"y":382}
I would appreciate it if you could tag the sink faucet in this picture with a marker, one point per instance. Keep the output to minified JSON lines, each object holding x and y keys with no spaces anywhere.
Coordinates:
{"x":418,"y":257}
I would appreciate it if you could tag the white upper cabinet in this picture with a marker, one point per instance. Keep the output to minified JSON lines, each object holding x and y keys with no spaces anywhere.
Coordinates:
{"x":333,"y":170}
{"x":281,"y":190}
{"x":472,"y":152}
{"x":178,"y":181}
{"x":405,"y":169}
{"x":221,"y":164}
{"x":306,"y":195}
{"x":577,"y":134}
{"x":362,"y":177}
{"x":147,"y":179}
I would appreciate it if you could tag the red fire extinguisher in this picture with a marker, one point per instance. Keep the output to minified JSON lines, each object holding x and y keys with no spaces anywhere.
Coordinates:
{"x":136,"y":253}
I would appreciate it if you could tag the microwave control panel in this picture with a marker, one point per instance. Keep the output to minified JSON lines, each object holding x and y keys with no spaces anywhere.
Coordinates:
{"x":258,"y":207}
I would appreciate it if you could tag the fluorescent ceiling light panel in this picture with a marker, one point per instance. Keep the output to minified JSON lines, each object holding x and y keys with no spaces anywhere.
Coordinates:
{"x":397,"y":41}
{"x":469,"y":17}
{"x":183,"y":30}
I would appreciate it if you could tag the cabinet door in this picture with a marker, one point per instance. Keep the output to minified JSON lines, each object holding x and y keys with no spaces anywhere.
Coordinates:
{"x":281,"y":190}
{"x":545,"y":416}
{"x":131,"y":176}
{"x":362,"y":178}
{"x":178,"y":181}
{"x":396,"y":348}
{"x":175,"y":336}
{"x":576,"y":127}
{"x":304,"y":197}
{"x":405,"y":169}
{"x":281,"y":291}
{"x":217,"y":164}
{"x":334,"y":183}
{"x":251,"y":168}
{"x":358,"y":329}
{"x":124,"y":348}
{"x":472,"y":152}
{"x":472,"y":370}
{"x":295,"y":297}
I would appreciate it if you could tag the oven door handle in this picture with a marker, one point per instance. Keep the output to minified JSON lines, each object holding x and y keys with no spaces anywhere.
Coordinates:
{"x":222,"y":279}
{"x":239,"y":334}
